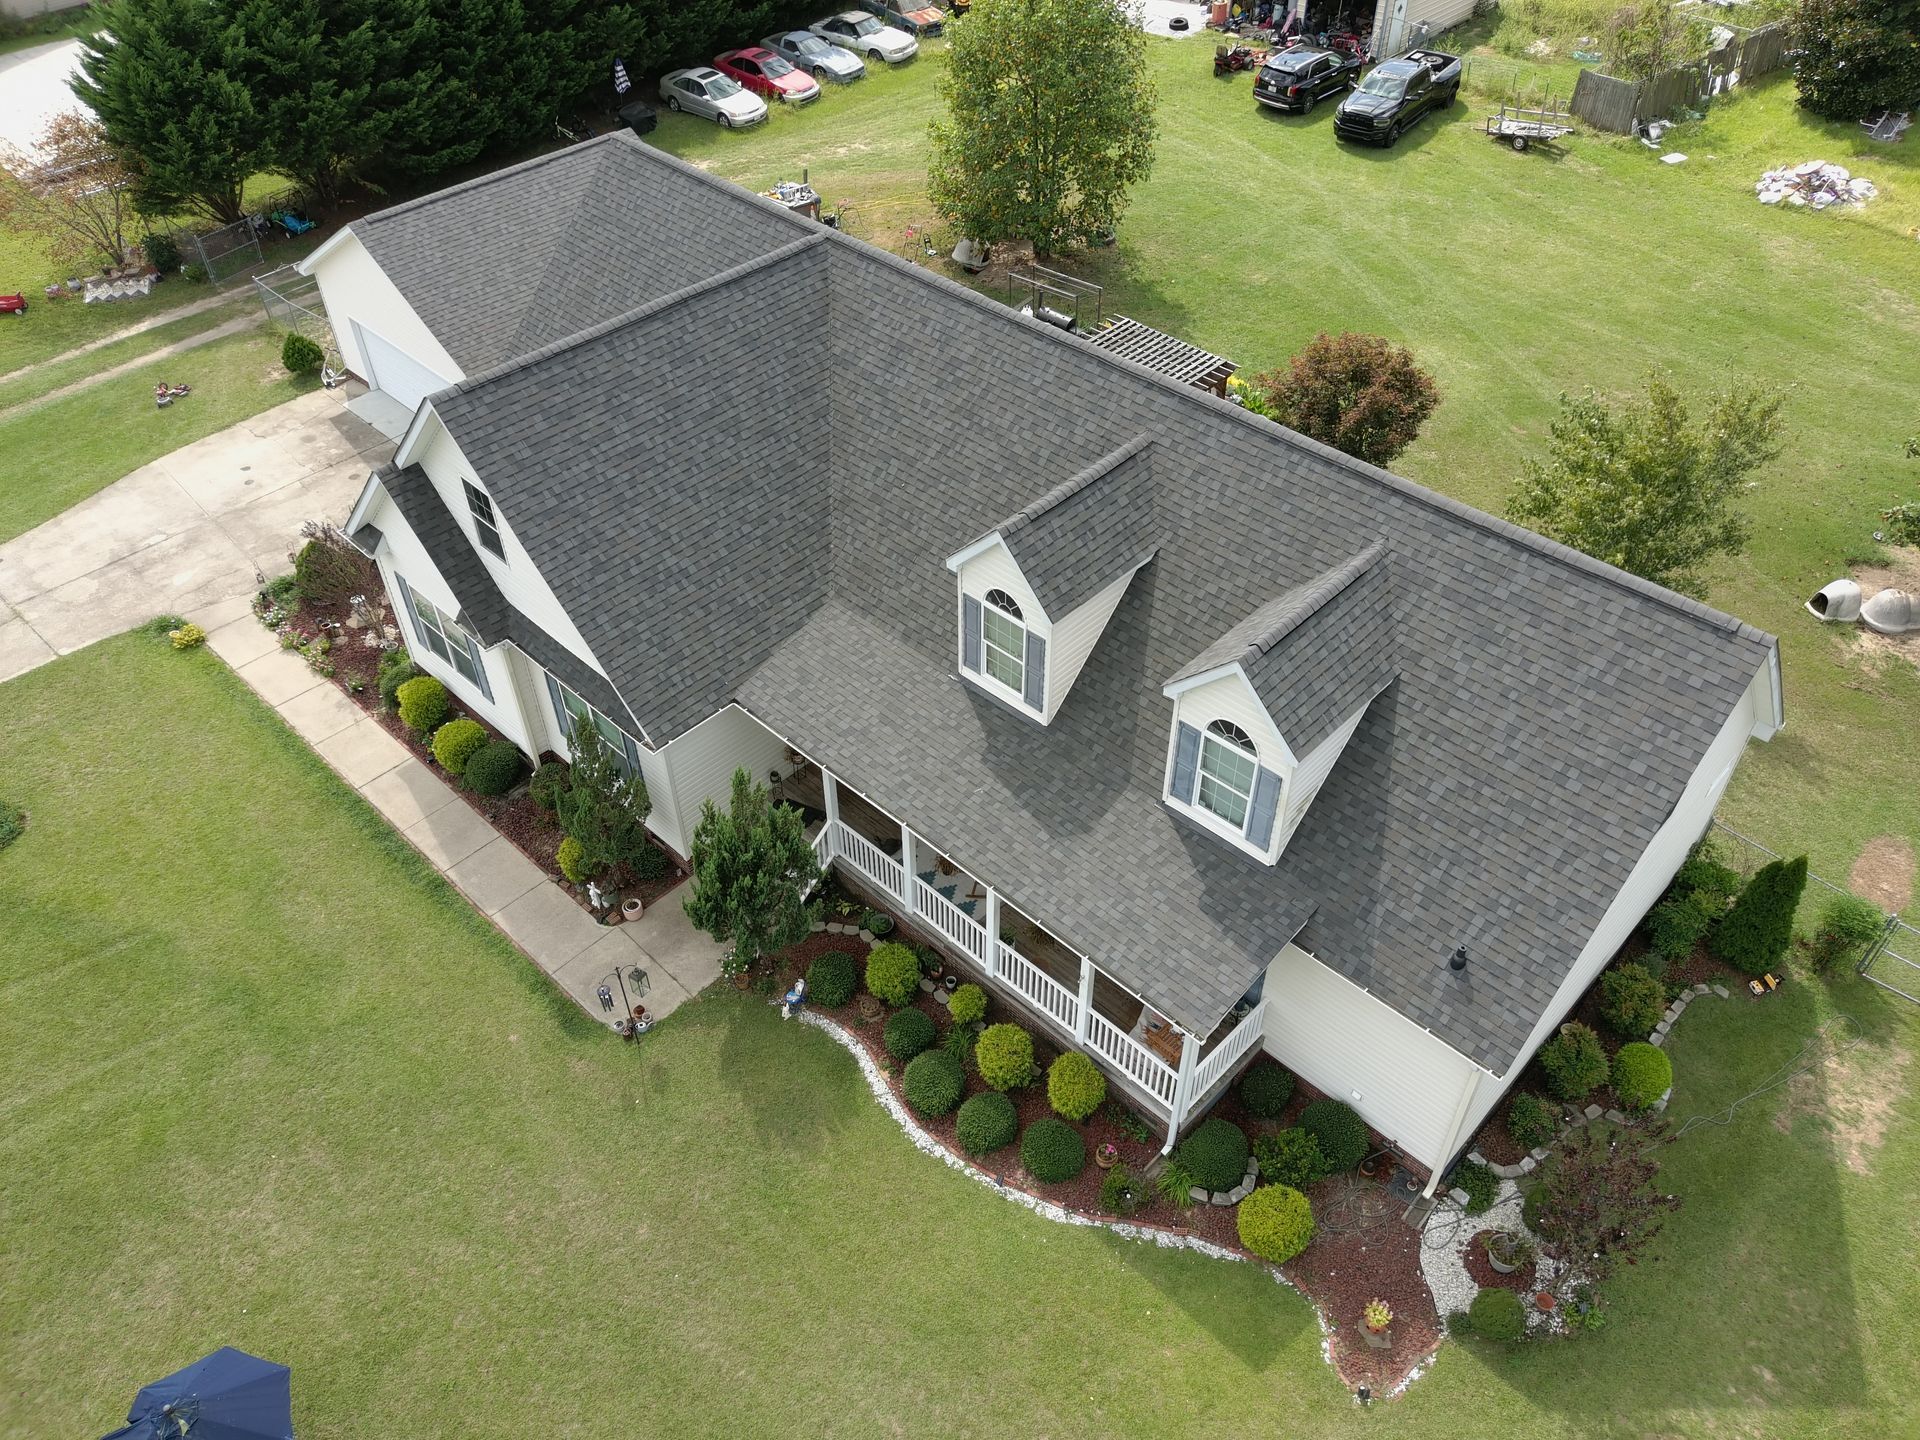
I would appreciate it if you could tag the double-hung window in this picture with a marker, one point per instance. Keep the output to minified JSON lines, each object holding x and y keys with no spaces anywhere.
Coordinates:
{"x":438,"y":632}
{"x":480,"y":506}
{"x":1003,"y":634}
{"x":1227,"y":765}
{"x":572,"y":713}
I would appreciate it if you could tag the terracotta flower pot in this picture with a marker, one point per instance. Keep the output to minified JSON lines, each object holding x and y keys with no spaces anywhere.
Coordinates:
{"x":1545,"y":1300}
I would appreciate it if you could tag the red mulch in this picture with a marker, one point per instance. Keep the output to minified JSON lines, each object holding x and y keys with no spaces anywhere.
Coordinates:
{"x":1483,"y":1273}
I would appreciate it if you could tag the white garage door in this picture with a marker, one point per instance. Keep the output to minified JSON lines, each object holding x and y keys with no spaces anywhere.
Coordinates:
{"x":392,"y":370}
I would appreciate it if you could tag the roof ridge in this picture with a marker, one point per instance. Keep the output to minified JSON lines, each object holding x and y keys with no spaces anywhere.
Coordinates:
{"x":1075,"y":483}
{"x":420,"y":202}
{"x":640,"y":312}
{"x":559,"y":256}
{"x":1294,"y":607}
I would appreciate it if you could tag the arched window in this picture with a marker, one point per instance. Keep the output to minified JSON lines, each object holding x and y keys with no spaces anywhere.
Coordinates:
{"x":1227,"y":765}
{"x":1004,"y":651}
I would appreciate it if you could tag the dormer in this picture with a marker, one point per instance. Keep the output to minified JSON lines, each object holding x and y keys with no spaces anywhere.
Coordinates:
{"x":1037,"y":590}
{"x":1261,"y":716}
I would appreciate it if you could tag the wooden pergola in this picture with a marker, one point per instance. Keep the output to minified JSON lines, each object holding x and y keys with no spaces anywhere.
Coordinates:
{"x":1172,"y":357}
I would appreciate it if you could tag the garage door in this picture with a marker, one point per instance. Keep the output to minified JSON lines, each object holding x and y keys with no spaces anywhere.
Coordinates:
{"x":394,"y":371}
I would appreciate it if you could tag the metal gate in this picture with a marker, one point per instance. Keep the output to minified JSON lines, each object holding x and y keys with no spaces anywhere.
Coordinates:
{"x":1898,"y":972}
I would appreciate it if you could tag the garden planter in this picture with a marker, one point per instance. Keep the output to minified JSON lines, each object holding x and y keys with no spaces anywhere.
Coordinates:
{"x":639,"y":1014}
{"x":1106,"y":1157}
{"x":740,"y":981}
{"x":1503,"y":1256}
{"x":1369,"y":1167}
{"x":1546,"y":1302}
{"x":870,"y":1007}
{"x":1377,"y":1339}
{"x":632,"y":909}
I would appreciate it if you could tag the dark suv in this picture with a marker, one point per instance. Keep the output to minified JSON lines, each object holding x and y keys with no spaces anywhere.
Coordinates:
{"x":1299,"y":78}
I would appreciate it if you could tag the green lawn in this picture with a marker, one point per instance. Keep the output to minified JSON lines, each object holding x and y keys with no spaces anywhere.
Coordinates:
{"x":59,"y":453}
{"x":1514,"y":278}
{"x":267,"y":1081}
{"x":52,"y":375}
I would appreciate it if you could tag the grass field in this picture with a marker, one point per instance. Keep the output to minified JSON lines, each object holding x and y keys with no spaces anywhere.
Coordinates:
{"x":266,"y":1080}
{"x":1515,"y":278}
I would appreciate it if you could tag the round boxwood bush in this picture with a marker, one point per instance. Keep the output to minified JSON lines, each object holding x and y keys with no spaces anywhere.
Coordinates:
{"x":495,"y":769}
{"x":1290,"y":1157}
{"x":457,"y":742}
{"x":1339,"y":1131}
{"x":1497,"y":1315}
{"x":967,"y":1004}
{"x":1214,"y":1154}
{"x":1480,"y":1183}
{"x":1531,"y":1121}
{"x":986,"y":1122}
{"x":1052,"y":1150}
{"x":1275,"y":1223}
{"x":1573,"y":1061}
{"x":1631,"y":1000}
{"x":1642,"y":1073}
{"x":1004,"y":1056}
{"x":423,"y":704}
{"x":1265,"y":1089}
{"x":893,"y":972}
{"x":300,"y":355}
{"x":547,"y":783}
{"x":831,"y":979}
{"x":908,"y":1032}
{"x":933,"y":1082}
{"x":571,"y":857}
{"x":395,"y":670}
{"x":1075,"y":1086}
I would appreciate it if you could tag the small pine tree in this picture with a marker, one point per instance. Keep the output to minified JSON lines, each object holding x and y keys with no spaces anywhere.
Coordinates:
{"x":603,"y":807}
{"x":1757,"y":931}
{"x":752,"y":868}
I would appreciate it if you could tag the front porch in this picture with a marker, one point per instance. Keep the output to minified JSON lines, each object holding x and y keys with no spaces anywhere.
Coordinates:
{"x":1157,"y":1067}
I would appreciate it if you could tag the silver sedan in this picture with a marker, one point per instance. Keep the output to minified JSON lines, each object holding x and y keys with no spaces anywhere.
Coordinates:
{"x":706,"y":92}
{"x":807,"y":51}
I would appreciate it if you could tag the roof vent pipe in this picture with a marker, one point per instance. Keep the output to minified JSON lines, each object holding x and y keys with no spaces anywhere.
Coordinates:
{"x":1459,"y":959}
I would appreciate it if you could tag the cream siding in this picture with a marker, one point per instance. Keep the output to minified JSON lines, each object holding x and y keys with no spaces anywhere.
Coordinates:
{"x":1312,"y":774}
{"x":994,"y":569}
{"x":702,"y":761}
{"x":1231,"y":698}
{"x":354,"y":287}
{"x":1074,"y":638}
{"x":1406,"y":1083}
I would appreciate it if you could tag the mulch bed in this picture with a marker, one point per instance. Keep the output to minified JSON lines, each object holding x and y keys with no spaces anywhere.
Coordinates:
{"x":1483,"y":1273}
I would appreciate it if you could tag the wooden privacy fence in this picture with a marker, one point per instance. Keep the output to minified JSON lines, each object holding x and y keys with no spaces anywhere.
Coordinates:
{"x":1609,"y":103}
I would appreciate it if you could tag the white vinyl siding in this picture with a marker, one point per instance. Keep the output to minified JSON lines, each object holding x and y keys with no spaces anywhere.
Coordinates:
{"x":353,"y":288}
{"x":1074,"y":638}
{"x":701,"y":763}
{"x":1312,"y":773}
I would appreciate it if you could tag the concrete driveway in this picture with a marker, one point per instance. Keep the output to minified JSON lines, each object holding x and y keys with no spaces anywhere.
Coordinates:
{"x":33,"y":89}
{"x":190,"y":534}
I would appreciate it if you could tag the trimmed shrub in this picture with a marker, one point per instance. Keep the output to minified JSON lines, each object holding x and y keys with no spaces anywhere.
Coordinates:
{"x":832,"y":979}
{"x":1631,"y":1000}
{"x":1052,"y":1150}
{"x":187,"y":635}
{"x":396,"y":668}
{"x":1120,"y":1193}
{"x":1497,"y":1314}
{"x":300,"y":355}
{"x":422,"y":702}
{"x":1291,"y":1158}
{"x":1480,"y":1183}
{"x":933,"y":1082}
{"x":572,"y":860}
{"x":163,"y":252}
{"x":1340,"y":1132}
{"x":547,"y":783}
{"x":967,"y":1004}
{"x":1848,"y":925}
{"x":1677,"y":924}
{"x":1275,"y":1223}
{"x":1702,"y":874}
{"x":893,"y":973}
{"x":650,"y":862}
{"x":1531,"y":1121}
{"x":1573,"y":1061}
{"x":13,"y":823}
{"x":1215,"y":1154}
{"x":986,"y":1122}
{"x":494,"y":769}
{"x":1265,"y":1089}
{"x":908,"y":1032}
{"x":457,"y":742}
{"x":1755,"y":935}
{"x":1004,"y":1056}
{"x":1075,"y":1086}
{"x":1642,"y":1073}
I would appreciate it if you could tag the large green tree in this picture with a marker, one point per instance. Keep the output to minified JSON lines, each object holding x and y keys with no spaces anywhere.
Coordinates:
{"x":314,"y":68}
{"x":1049,"y":123}
{"x":752,"y":869}
{"x":1856,"y":58}
{"x":1646,"y":485}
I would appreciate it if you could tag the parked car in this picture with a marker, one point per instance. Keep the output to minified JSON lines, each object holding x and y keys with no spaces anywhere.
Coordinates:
{"x":1302,"y":76}
{"x":859,"y":32}
{"x":767,"y":74}
{"x":922,"y":20}
{"x":708,"y":93}
{"x":1396,"y":94}
{"x":806,"y":51}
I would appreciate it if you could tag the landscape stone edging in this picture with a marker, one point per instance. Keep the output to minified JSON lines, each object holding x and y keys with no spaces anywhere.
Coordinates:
{"x":1059,"y":1214}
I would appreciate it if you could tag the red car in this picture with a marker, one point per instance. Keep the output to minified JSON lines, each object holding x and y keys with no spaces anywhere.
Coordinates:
{"x":765,"y":73}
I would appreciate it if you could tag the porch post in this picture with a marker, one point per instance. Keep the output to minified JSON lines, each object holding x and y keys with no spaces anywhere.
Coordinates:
{"x":1182,"y":1089}
{"x":1082,"y":1017}
{"x":993,"y":932}
{"x":831,"y":789}
{"x":907,"y":872}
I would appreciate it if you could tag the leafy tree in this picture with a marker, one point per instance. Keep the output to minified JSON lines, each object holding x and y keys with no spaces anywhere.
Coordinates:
{"x":1856,"y":58}
{"x":1757,"y":931}
{"x":1644,"y":39}
{"x":1645,"y":486}
{"x":75,"y":193}
{"x":314,"y":68}
{"x":1360,"y":394}
{"x":168,"y":79}
{"x":1050,"y":121}
{"x":1599,"y":1207}
{"x":603,"y":807}
{"x":752,"y":867}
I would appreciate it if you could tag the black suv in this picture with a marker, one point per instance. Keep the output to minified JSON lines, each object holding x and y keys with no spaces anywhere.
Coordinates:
{"x":1300,"y":77}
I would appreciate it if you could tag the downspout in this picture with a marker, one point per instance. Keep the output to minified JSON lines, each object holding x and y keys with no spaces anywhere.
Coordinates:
{"x":1453,"y":1129}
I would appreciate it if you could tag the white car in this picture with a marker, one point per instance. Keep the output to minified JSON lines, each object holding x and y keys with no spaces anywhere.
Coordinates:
{"x":819,"y":58}
{"x":705,"y":91}
{"x":865,"y":35}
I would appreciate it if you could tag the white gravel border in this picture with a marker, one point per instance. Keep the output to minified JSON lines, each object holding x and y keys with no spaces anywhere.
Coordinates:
{"x":1443,"y":1249}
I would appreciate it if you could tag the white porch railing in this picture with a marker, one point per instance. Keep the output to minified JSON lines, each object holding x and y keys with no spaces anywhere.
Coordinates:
{"x":950,"y":920}
{"x":1242,"y":1038}
{"x":1141,"y":1065}
{"x":1046,"y":993}
{"x":869,"y":859}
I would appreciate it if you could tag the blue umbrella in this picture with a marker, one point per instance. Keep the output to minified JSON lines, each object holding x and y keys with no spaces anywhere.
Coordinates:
{"x":228,"y":1395}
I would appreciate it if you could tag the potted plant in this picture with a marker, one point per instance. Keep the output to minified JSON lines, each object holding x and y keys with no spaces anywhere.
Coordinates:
{"x":877,"y":923}
{"x":1507,"y":1253}
{"x":632,"y":909}
{"x":1106,"y":1155}
{"x":870,"y":1006}
{"x":734,"y":966}
{"x":1377,"y":1316}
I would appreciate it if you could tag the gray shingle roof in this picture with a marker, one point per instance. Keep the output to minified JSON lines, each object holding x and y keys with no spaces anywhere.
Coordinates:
{"x":723,"y":508}
{"x":1087,"y":531}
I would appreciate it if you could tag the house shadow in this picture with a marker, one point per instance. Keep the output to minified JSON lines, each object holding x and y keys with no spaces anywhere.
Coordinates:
{"x":805,"y":1117}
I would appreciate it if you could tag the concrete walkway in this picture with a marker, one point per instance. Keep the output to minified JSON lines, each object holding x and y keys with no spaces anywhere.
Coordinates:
{"x":510,"y":890}
{"x":190,"y":533}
